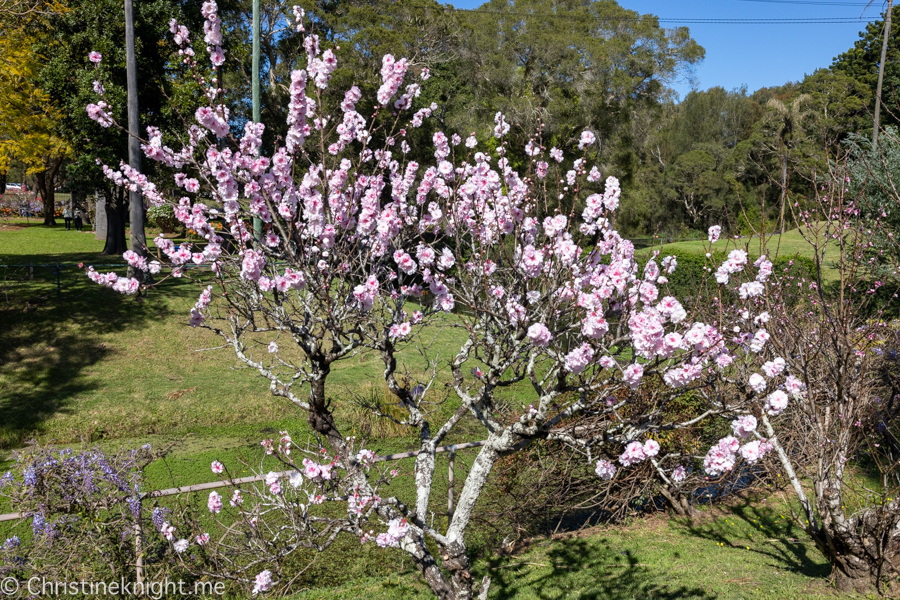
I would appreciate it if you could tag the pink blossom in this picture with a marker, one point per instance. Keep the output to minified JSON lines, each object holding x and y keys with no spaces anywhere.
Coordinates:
{"x":311,"y":469}
{"x":632,"y":375}
{"x":263,"y":582}
{"x":605,"y":470}
{"x":776,"y":402}
{"x":217,"y":467}
{"x":95,"y":57}
{"x":714,"y":232}
{"x":755,"y":450}
{"x":794,"y":387}
{"x":757,"y":383}
{"x":633,"y":454}
{"x":579,"y":358}
{"x":214,"y":504}
{"x":774,"y":367}
{"x":721,"y":458}
{"x":587,"y":139}
{"x":539,"y":335}
{"x":744,"y":426}
{"x":679,"y":474}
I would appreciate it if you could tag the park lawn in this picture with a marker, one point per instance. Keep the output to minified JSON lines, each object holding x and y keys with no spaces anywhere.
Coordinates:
{"x":30,"y":242}
{"x":790,"y":244}
{"x":82,"y":362}
{"x":736,"y":552}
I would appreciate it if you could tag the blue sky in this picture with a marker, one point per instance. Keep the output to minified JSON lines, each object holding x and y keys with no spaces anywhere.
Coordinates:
{"x":757,"y":55}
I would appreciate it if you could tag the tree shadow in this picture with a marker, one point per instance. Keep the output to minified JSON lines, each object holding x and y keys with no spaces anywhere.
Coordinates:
{"x":774,"y":535}
{"x":52,"y":333}
{"x":596,"y":569}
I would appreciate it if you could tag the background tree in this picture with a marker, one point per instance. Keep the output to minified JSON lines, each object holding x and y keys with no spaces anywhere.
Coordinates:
{"x":861,"y":63}
{"x":69,"y":37}
{"x":29,"y":117}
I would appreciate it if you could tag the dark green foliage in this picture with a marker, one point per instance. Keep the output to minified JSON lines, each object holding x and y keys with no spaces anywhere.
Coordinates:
{"x":861,"y":63}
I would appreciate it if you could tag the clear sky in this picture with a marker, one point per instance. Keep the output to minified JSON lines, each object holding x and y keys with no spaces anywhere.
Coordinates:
{"x":757,"y":55}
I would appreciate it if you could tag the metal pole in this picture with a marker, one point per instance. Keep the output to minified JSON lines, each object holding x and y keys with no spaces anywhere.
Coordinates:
{"x":884,"y":45}
{"x":257,"y":222}
{"x":137,"y":237}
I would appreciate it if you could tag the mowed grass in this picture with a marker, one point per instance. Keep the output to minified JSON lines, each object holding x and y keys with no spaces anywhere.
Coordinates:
{"x":746,"y":551}
{"x":82,"y":362}
{"x":791,"y":243}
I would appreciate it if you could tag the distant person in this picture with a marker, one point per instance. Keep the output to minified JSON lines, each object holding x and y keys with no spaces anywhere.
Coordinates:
{"x":67,"y":217}
{"x":78,"y":220}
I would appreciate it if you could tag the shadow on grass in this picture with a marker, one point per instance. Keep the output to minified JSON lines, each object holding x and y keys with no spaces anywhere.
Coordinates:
{"x":50,"y":339}
{"x":596,"y":569}
{"x":774,"y":536}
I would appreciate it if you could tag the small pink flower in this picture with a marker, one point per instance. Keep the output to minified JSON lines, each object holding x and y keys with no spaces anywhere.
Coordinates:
{"x":217,"y":467}
{"x":95,"y":57}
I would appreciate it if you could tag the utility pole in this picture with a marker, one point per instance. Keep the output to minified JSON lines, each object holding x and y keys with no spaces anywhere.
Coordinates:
{"x":257,"y":222}
{"x":884,"y":45}
{"x":137,"y":238}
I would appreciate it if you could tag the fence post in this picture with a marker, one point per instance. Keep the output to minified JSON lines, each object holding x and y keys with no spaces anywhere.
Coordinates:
{"x":450,"y":494}
{"x":139,"y":551}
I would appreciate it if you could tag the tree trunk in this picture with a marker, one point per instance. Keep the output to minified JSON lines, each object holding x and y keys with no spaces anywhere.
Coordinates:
{"x":43,"y":181}
{"x":116,"y":209}
{"x":678,"y":503}
{"x":138,"y":240}
{"x":783,"y":189}
{"x":2,"y":183}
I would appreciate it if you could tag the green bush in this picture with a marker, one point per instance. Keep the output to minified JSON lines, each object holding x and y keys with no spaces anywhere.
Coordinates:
{"x":164,"y":218}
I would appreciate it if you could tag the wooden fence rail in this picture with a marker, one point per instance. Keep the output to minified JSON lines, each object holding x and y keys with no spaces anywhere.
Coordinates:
{"x":199,"y":487}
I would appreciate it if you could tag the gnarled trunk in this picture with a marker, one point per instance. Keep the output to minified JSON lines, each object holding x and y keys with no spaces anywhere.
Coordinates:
{"x":864,"y":549}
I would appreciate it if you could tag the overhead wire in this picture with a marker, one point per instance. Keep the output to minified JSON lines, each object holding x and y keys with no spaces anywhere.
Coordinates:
{"x":690,"y":20}
{"x":811,"y":2}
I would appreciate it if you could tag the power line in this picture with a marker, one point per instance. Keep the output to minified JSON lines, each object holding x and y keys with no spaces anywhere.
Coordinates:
{"x":812,"y":2}
{"x":722,"y":21}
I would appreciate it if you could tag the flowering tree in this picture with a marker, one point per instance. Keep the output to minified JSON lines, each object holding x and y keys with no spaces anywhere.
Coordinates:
{"x":829,"y":351}
{"x":363,"y":249}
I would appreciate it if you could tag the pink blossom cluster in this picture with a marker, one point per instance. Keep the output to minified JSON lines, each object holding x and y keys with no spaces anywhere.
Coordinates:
{"x":212,"y":29}
{"x":397,"y":528}
{"x":392,"y":73}
{"x":263,"y":582}
{"x":744,"y":426}
{"x":721,"y":458}
{"x":636,"y":452}
{"x":313,"y":470}
{"x":97,"y":112}
{"x":123,"y":285}
{"x":605,"y":470}
{"x":214,"y":503}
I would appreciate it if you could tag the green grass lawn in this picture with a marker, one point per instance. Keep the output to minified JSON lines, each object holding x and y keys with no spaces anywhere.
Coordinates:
{"x":744,"y":551}
{"x":79,"y":362}
{"x":791,"y":244}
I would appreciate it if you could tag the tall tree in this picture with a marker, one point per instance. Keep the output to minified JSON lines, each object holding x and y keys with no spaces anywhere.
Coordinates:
{"x":98,"y":25}
{"x":861,"y":62}
{"x":781,"y":127}
{"x":28,"y":117}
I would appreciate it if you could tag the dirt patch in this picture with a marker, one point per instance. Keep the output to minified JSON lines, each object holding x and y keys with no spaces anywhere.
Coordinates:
{"x":10,"y":227}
